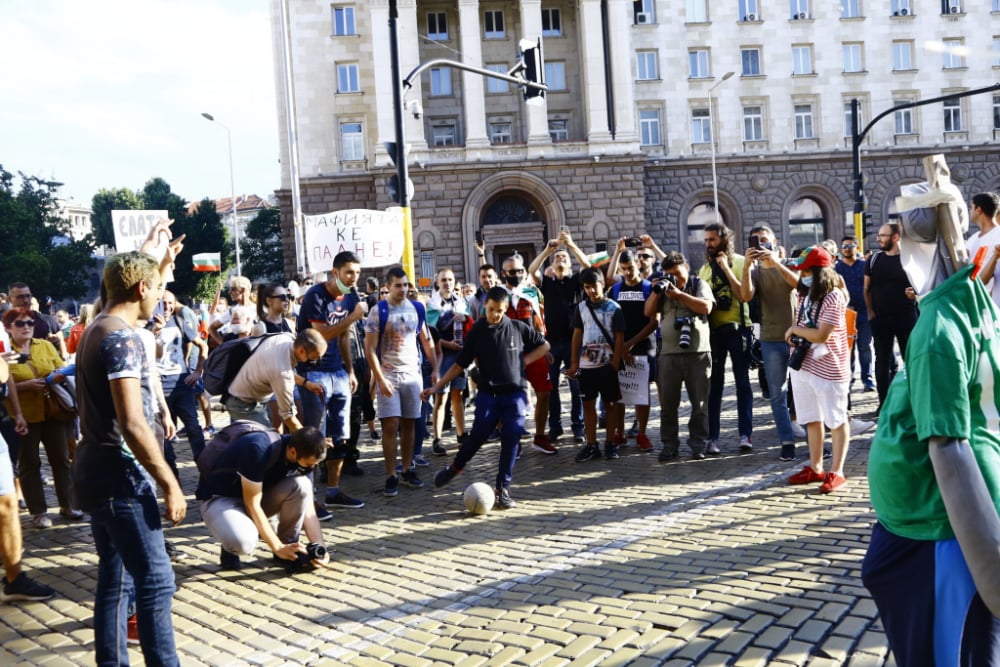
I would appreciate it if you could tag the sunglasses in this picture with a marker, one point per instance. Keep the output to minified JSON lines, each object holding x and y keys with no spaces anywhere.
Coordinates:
{"x":283,"y":297}
{"x":515,"y":272}
{"x":23,"y":323}
{"x":384,"y":292}
{"x":848,"y":246}
{"x":644,"y":256}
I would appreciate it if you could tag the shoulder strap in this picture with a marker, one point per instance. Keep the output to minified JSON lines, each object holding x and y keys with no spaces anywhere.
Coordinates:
{"x":616,"y":290}
{"x":607,"y":336}
{"x":647,"y":287}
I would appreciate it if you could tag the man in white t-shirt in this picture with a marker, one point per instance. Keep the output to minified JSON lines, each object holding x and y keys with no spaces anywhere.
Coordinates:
{"x":983,"y":213}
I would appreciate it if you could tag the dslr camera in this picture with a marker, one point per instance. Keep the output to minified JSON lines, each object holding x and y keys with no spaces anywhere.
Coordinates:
{"x":684,"y":325}
{"x":303,"y":561}
{"x":800,"y":348}
{"x":660,"y":286}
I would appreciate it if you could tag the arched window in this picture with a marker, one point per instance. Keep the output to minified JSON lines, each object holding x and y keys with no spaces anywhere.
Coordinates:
{"x":806,"y":224}
{"x":700,"y":215}
{"x":510,"y":209}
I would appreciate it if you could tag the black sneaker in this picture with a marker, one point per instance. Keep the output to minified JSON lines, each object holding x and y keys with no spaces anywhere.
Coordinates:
{"x":788,"y":452}
{"x":634,"y":431}
{"x":391,"y":486}
{"x":504,"y":501}
{"x":374,"y":436}
{"x":343,"y":501}
{"x":494,"y":436}
{"x":670,"y":453}
{"x":445,"y":475}
{"x":228,"y":561}
{"x":438,"y":448}
{"x":322,"y":513}
{"x":610,"y":450}
{"x":588,"y":452}
{"x":410,"y":479}
{"x":23,"y":588}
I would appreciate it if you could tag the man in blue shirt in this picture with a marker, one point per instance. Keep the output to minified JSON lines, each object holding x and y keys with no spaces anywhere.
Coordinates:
{"x":852,"y":269}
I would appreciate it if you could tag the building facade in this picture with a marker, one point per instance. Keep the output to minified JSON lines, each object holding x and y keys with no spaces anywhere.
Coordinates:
{"x":644,"y":98}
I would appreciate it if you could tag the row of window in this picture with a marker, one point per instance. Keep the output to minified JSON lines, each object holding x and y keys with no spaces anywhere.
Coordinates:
{"x":696,"y":11}
{"x":494,"y":26}
{"x":440,"y":79}
{"x":953,"y":52}
{"x":445,"y":132}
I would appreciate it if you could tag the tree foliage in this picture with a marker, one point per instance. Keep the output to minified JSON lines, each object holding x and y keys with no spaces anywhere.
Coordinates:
{"x":260,"y":247}
{"x":101,"y":205}
{"x":37,"y":249}
{"x":203,"y":232}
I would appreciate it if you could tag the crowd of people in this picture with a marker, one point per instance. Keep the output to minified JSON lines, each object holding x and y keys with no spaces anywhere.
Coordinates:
{"x":326,"y":359}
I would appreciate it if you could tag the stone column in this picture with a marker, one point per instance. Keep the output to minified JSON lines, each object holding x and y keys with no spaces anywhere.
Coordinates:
{"x":592,"y":67}
{"x":536,"y":111}
{"x":620,"y":33}
{"x":473,"y":90}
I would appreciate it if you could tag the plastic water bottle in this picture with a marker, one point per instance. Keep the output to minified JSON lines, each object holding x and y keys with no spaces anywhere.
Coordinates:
{"x":459,"y":331}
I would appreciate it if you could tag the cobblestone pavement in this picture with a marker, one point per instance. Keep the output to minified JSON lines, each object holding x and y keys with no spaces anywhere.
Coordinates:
{"x":625,"y":562}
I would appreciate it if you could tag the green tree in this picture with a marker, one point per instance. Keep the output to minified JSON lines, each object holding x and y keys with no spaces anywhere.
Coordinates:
{"x":36,"y":246}
{"x":260,"y":247}
{"x":101,"y":205}
{"x":204,"y":233}
{"x":156,"y":195}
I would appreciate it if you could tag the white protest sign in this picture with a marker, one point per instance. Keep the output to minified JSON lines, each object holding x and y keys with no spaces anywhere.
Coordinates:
{"x":634,"y":381}
{"x":376,"y":237}
{"x":132,"y":228}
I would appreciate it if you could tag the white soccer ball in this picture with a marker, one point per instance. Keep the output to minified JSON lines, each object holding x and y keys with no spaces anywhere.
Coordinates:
{"x":479,"y":498}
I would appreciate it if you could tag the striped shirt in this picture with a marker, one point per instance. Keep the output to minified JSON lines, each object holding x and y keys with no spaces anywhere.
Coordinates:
{"x":834,"y":366}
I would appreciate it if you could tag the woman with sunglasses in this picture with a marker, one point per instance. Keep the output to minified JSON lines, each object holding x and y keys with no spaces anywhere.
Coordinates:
{"x":274,"y":304}
{"x":35,"y":361}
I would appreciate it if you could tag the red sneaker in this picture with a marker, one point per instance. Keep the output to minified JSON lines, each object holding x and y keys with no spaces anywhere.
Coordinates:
{"x":619,"y":438}
{"x":832,"y":481}
{"x":133,"y":630}
{"x":542,"y":444}
{"x":644,"y":444}
{"x":806,"y":476}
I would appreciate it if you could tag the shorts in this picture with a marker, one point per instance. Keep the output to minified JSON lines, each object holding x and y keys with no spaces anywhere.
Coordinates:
{"x":460,"y":382}
{"x":405,"y":400}
{"x":6,"y":470}
{"x":537,"y":374}
{"x":817,"y":399}
{"x":601,"y":381}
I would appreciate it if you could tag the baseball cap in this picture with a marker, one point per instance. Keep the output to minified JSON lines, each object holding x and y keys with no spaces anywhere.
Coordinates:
{"x":812,"y":256}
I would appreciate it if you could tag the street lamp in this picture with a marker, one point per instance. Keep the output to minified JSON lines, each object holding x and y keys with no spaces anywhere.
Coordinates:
{"x":711,"y":126}
{"x":232,"y":189}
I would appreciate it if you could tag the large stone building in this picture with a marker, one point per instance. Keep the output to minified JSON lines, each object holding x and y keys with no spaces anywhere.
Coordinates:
{"x":623,"y":141}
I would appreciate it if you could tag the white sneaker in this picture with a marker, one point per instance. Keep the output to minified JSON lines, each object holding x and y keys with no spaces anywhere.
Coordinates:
{"x":859,"y":426}
{"x":798,"y":431}
{"x":41,"y":521}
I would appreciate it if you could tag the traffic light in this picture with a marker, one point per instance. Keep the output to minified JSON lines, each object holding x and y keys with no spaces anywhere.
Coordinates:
{"x":533,"y":63}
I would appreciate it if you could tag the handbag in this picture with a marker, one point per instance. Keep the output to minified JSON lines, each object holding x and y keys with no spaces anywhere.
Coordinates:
{"x":60,"y":401}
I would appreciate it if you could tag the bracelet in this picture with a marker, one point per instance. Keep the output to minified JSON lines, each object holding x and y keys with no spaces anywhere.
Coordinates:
{"x":482,"y":255}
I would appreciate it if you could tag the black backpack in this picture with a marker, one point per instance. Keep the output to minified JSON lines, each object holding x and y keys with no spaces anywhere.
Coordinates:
{"x":224,"y":362}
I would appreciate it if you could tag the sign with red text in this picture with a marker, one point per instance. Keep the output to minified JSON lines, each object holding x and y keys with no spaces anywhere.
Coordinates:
{"x":376,"y":237}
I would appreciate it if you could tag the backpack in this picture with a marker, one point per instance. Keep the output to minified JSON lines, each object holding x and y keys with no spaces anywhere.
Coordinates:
{"x":616,"y":289}
{"x":383,"y":318}
{"x":224,"y":363}
{"x":209,"y":456}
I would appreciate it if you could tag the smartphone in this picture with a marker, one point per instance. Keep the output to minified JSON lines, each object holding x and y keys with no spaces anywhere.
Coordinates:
{"x":564,"y":229}
{"x":479,"y":238}
{"x":633,"y":242}
{"x":755,"y":242}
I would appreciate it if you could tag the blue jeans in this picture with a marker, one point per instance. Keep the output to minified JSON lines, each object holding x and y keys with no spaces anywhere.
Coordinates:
{"x":332,"y":415}
{"x":183,"y":403}
{"x":863,"y":350}
{"x":561,"y":359}
{"x":775,"y":356}
{"x":726,"y":340}
{"x":132,"y":557}
{"x":508,"y":409}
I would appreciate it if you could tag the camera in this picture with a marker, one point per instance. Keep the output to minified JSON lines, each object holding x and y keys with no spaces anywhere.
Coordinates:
{"x":23,"y":358}
{"x":684,"y":325}
{"x":633,"y":242}
{"x":303,"y":561}
{"x":800,"y":348}
{"x":661,"y":286}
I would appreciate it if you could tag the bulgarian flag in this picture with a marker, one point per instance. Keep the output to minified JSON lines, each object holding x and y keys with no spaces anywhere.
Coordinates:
{"x":207,"y":261}
{"x":599,"y":258}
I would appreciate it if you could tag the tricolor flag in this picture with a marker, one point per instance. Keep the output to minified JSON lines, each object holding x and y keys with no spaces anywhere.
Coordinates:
{"x":599,"y":258}
{"x":207,"y":261}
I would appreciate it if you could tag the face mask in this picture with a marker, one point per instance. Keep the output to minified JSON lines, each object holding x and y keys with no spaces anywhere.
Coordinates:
{"x":807,"y":281}
{"x":344,"y":289}
{"x":513,"y":281}
{"x":296,"y":469}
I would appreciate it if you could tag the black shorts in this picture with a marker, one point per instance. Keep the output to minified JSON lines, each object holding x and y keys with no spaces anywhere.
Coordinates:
{"x":602,"y":381}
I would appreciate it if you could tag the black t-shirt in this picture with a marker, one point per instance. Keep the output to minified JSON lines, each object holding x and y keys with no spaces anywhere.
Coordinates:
{"x":252,"y":456}
{"x":561,"y":296}
{"x":632,"y":299}
{"x":499,"y":352}
{"x":887,"y":285}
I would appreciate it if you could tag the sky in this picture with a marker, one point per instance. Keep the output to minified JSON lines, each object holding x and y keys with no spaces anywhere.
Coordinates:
{"x":109,"y":94}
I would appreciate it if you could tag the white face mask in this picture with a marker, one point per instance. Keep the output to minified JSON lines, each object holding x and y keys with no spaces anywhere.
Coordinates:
{"x":807,"y":280}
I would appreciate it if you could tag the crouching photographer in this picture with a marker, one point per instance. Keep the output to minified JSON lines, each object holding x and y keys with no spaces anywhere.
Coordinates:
{"x":820,"y":366}
{"x":249,"y":474}
{"x":682,"y":301}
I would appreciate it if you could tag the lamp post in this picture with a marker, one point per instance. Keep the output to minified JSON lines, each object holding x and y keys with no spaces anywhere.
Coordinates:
{"x":232,"y":189}
{"x":711,"y":145}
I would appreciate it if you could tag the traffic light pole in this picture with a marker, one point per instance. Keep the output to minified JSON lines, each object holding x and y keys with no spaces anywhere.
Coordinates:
{"x":402,"y":169}
{"x":857,"y":137}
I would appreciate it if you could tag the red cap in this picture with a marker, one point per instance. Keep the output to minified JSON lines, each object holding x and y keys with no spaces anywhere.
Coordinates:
{"x":812,"y":256}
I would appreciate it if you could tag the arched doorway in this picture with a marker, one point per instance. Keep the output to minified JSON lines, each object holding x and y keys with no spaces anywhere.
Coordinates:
{"x":806,"y":224}
{"x":510,"y":224}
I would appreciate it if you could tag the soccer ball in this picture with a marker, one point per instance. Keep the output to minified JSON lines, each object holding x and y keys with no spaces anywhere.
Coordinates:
{"x":479,"y":498}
